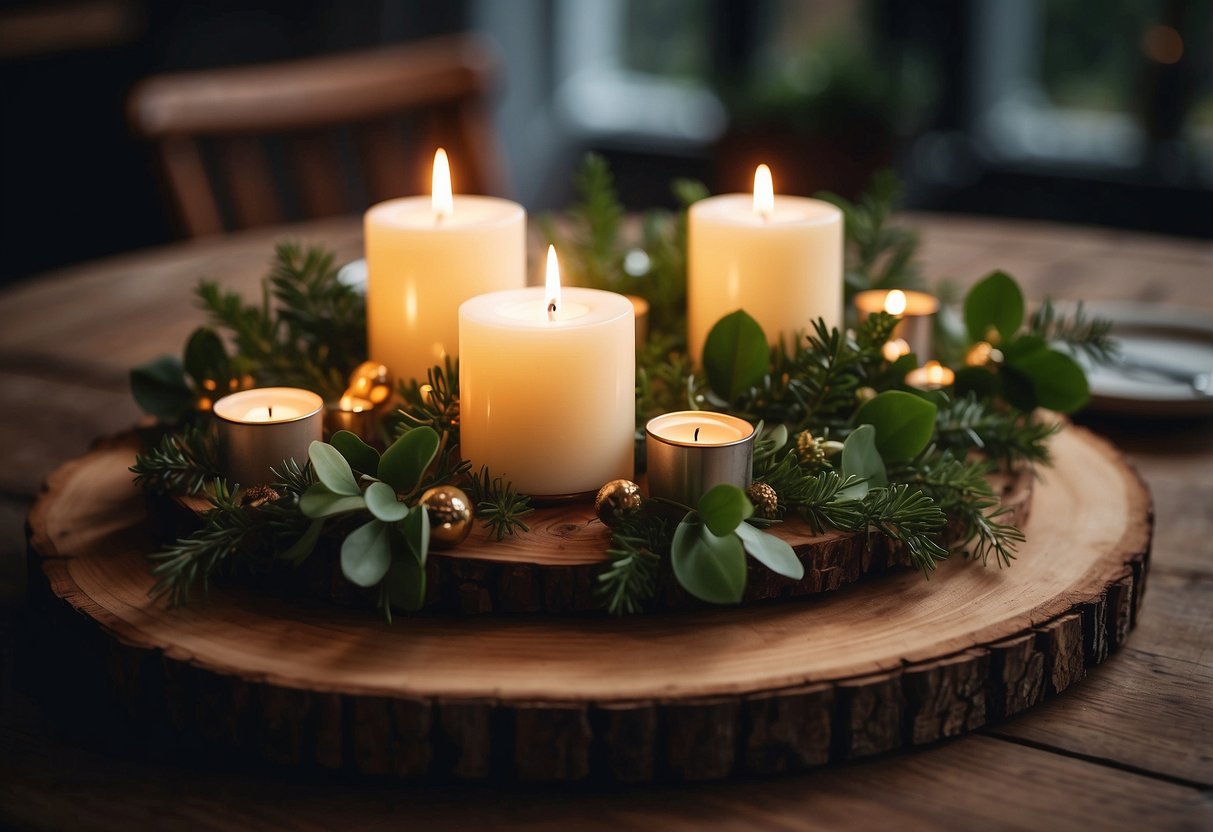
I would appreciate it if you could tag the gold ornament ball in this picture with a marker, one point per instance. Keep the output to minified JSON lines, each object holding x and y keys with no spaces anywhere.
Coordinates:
{"x":615,"y":499}
{"x":450,"y":513}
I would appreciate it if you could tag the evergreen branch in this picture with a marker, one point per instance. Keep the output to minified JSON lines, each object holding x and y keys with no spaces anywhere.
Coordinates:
{"x":1090,"y":336}
{"x":1006,"y":436}
{"x":499,"y":505}
{"x":899,"y":512}
{"x":181,"y":464}
{"x":630,"y":578}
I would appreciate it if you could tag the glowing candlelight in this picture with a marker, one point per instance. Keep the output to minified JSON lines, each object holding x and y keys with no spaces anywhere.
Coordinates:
{"x":260,"y":428}
{"x":441,"y":197}
{"x":551,"y":285}
{"x":895,"y":302}
{"x":764,"y":192}
{"x":895,"y":349}
{"x":930,"y":376}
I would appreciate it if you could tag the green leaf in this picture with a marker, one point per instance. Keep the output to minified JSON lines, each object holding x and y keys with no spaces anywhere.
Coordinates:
{"x":405,"y":581}
{"x":332,"y":469}
{"x":159,"y":388}
{"x":904,"y":423}
{"x":361,"y":456}
{"x":735,"y":355}
{"x":416,"y":531}
{"x":382,"y":503}
{"x":319,"y":502}
{"x":772,"y":552}
{"x":403,"y":464}
{"x":861,"y":459}
{"x":995,"y":302}
{"x":366,"y":554}
{"x":301,"y":548}
{"x":206,"y":358}
{"x":709,"y":567}
{"x":723,"y":508}
{"x":1058,"y":382}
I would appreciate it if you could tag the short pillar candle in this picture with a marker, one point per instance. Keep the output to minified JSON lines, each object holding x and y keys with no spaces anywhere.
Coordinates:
{"x":777,"y":257}
{"x":259,"y":429}
{"x":547,"y":387}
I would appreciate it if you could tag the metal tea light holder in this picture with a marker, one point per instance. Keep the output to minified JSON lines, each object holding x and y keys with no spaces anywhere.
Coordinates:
{"x":689,"y":452}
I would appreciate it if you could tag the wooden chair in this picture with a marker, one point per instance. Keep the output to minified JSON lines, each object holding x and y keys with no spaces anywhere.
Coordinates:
{"x":255,"y":145}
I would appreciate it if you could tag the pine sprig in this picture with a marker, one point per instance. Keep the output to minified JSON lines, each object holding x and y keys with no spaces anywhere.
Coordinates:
{"x":499,"y":504}
{"x":635,"y":560}
{"x":181,"y":464}
{"x":1006,"y":436}
{"x":309,"y":330}
{"x":1090,"y":336}
{"x":435,"y":403}
{"x":900,"y":512}
{"x":189,"y":561}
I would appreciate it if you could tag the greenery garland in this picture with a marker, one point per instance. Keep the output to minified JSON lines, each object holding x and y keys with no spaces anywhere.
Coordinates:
{"x":844,"y":444}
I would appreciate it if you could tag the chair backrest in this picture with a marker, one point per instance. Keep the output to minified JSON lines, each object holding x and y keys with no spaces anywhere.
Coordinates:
{"x":255,"y":145}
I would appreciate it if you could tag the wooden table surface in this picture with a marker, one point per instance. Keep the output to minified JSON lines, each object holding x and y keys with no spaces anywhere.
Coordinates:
{"x":1130,"y":747}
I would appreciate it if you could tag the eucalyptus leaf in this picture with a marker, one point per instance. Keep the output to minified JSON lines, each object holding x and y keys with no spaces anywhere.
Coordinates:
{"x":206,"y":358}
{"x":735,"y":355}
{"x":405,"y":581}
{"x":723,"y":508}
{"x":361,"y":456}
{"x":332,"y":470}
{"x":416,"y":531}
{"x":995,"y":302}
{"x":299,"y":551}
{"x":159,"y":388}
{"x":861,"y":459}
{"x":1058,"y":382}
{"x":904,"y":423}
{"x":318,"y":501}
{"x":709,"y":567}
{"x":366,"y":554}
{"x":772,"y":552}
{"x":403,"y":464}
{"x":382,"y":503}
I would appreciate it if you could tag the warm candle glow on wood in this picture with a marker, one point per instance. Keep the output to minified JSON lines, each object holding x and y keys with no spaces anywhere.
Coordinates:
{"x":764,"y":192}
{"x":441,"y":194}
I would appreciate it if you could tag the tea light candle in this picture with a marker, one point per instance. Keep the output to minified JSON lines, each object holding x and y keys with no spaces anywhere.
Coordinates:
{"x":547,"y":386}
{"x":777,"y":257}
{"x":260,"y":428}
{"x":425,"y":256}
{"x":930,"y":376}
{"x":691,"y":451}
{"x":351,"y":413}
{"x":916,"y":311}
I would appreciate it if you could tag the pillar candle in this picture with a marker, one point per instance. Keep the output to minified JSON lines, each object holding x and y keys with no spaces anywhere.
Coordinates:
{"x":425,"y":256}
{"x":547,"y":384}
{"x":777,"y":257}
{"x":260,"y":428}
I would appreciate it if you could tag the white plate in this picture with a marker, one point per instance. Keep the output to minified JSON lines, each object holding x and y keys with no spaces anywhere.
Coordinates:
{"x":1172,"y":337}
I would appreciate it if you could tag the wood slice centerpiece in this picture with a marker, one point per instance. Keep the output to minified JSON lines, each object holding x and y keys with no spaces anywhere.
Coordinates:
{"x":894,"y":661}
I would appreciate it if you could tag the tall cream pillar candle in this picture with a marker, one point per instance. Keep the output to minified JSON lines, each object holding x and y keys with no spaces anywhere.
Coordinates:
{"x":777,"y":257}
{"x":547,"y":386}
{"x":425,"y":256}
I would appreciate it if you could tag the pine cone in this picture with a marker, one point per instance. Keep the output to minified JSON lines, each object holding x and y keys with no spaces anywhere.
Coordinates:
{"x":809,"y":450}
{"x":258,"y":495}
{"x":765,"y":500}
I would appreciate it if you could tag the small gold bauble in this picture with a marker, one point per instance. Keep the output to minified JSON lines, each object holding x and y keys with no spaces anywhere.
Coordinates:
{"x":450,"y":513}
{"x":615,"y":499}
{"x":370,"y":380}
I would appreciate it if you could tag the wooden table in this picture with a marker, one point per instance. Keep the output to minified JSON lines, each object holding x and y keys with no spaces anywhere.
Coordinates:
{"x":1130,"y":745}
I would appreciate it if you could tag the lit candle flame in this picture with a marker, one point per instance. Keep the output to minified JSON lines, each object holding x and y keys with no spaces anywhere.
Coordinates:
{"x":551,"y":292}
{"x":764,"y":192}
{"x":350,"y":404}
{"x":442,"y":200}
{"x":936,"y":373}
{"x":895,"y":302}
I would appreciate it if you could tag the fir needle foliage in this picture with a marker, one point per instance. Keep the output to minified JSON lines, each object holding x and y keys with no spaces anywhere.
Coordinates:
{"x":499,"y":504}
{"x":309,"y":330}
{"x":1090,"y":336}
{"x":182,"y":463}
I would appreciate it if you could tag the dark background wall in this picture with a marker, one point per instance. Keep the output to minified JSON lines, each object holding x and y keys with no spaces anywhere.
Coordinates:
{"x":980,"y":109}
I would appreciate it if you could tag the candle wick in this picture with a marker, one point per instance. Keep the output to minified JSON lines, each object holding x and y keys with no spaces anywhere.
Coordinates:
{"x":552,"y":310}
{"x":697,"y":434}
{"x":270,"y":409}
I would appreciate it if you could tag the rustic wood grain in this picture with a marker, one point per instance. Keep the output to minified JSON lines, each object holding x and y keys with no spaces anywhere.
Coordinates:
{"x":907,"y":659}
